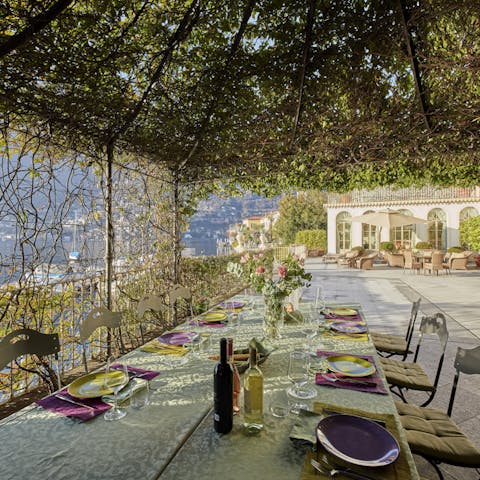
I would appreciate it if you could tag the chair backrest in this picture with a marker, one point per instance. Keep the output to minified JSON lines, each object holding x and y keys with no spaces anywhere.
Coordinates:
{"x":149,"y":302}
{"x":177,"y":292}
{"x":411,"y":323}
{"x":99,"y":317}
{"x":437,"y":259}
{"x":466,"y":361}
{"x":434,"y":325}
{"x":408,"y":256}
{"x":27,"y":341}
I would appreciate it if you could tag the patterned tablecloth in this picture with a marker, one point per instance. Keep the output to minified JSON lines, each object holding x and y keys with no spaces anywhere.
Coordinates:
{"x":173,"y":437}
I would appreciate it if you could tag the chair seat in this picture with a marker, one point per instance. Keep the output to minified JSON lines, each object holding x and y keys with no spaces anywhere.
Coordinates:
{"x":432,"y":433}
{"x":406,"y":374}
{"x":385,"y":342}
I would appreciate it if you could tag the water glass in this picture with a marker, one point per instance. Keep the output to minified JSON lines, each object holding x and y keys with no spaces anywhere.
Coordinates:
{"x":115,"y":379}
{"x":298,"y":373}
{"x":279,"y":405}
{"x":140,"y":394}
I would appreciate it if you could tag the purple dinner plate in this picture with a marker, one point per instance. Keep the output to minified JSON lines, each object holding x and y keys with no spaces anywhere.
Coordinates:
{"x":357,"y":440}
{"x":177,"y":338}
{"x":348,"y":327}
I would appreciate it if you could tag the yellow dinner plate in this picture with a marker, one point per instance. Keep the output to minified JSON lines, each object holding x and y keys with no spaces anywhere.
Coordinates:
{"x":213,"y":317}
{"x":350,"y":366}
{"x":344,"y":311}
{"x":93,"y":385}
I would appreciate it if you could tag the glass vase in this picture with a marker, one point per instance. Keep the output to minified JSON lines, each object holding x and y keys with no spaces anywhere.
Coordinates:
{"x":273,"y":317}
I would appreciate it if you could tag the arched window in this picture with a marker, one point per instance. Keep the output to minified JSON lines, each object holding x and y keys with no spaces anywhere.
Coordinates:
{"x":344,"y":224}
{"x":437,"y":227}
{"x":468,"y":212}
{"x":369,"y":235}
{"x":402,"y":237}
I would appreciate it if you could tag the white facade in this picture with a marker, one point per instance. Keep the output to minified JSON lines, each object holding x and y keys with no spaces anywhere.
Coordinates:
{"x":443,"y":208}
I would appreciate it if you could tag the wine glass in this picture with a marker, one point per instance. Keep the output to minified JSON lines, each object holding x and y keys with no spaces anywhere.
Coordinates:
{"x":298,"y":372}
{"x":115,"y":379}
{"x":310,"y":329}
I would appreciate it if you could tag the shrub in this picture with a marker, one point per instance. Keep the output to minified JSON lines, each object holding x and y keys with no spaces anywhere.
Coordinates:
{"x":455,"y":250}
{"x":389,"y":246}
{"x":312,"y":238}
{"x":359,"y":248}
{"x":470,"y":233}
{"x":423,"y":245}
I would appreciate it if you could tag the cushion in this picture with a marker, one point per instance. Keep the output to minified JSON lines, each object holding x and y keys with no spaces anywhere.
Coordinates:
{"x":432,"y":433}
{"x":406,"y":374}
{"x":385,"y":342}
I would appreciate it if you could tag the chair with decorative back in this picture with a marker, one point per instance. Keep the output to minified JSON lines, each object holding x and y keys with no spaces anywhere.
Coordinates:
{"x":179,"y":292}
{"x":97,"y":317}
{"x":388,"y":345}
{"x":149,"y":303}
{"x":403,"y":376}
{"x":26,"y":341}
{"x":432,"y":434}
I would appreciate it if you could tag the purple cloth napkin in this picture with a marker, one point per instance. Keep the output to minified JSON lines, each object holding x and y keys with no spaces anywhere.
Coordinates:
{"x":321,"y":378}
{"x":76,"y":411}
{"x":134,"y":372}
{"x":351,"y":318}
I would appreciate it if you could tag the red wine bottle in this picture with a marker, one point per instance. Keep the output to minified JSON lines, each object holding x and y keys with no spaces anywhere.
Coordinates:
{"x":223,"y":392}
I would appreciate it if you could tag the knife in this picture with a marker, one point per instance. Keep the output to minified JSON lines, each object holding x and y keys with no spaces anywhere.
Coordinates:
{"x":69,"y":400}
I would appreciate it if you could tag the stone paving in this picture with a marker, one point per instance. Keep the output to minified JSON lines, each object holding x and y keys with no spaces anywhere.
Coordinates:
{"x":386,"y":295}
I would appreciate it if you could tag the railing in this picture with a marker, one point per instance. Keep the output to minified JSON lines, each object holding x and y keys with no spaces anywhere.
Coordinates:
{"x":59,"y":307}
{"x":410,"y":195}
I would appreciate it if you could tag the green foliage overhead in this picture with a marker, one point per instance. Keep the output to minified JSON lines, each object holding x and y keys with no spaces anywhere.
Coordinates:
{"x":300,"y":212}
{"x":253,"y":93}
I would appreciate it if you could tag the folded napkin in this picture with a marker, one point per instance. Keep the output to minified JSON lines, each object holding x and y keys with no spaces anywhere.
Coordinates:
{"x":398,"y":470}
{"x":202,"y":323}
{"x":163,"y":349}
{"x":303,"y":430}
{"x":350,"y":318}
{"x":68,"y":409}
{"x":321,"y":378}
{"x":353,"y":337}
{"x":134,"y":372}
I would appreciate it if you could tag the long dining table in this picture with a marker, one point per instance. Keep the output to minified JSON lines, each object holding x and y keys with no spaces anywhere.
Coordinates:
{"x":173,"y":437}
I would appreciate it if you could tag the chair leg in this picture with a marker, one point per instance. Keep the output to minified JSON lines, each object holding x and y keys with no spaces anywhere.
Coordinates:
{"x":435,"y":466}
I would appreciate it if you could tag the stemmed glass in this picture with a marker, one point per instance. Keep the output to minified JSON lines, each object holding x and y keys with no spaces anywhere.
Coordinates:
{"x":298,"y":372}
{"x":115,"y":379}
{"x":310,"y":329}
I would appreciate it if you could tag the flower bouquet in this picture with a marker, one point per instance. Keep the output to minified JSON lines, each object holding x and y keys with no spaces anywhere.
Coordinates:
{"x":275,"y":284}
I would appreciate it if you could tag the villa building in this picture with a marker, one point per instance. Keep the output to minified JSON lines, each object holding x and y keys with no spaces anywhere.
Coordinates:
{"x":443,"y":209}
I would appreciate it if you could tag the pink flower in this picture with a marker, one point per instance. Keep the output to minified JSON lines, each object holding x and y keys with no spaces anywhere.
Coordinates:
{"x":260,"y":270}
{"x":245,"y":258}
{"x":282,"y":271}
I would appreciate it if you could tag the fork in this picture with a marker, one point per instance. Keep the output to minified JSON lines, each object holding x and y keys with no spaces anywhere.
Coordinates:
{"x":332,"y":472}
{"x":353,"y":381}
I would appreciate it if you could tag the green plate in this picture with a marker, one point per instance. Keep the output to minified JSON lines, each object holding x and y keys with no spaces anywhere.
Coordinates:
{"x":344,"y":311}
{"x":213,"y":317}
{"x":350,"y":366}
{"x":93,"y":385}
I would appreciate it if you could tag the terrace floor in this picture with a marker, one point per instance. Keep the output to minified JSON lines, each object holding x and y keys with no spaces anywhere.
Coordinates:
{"x":386,"y":295}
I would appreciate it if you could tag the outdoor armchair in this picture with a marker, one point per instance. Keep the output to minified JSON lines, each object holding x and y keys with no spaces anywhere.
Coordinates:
{"x":388,"y":345}
{"x":403,"y":376}
{"x":411,"y":263}
{"x":436,"y":262}
{"x":433,"y":434}
{"x":366,"y":262}
{"x":27,"y":341}
{"x":395,"y":259}
{"x":348,"y":259}
{"x":457,"y":261}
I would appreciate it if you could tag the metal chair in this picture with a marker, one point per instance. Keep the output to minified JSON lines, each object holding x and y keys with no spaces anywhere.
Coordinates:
{"x":98,"y":317}
{"x":403,"y":376}
{"x":179,"y":292}
{"x":149,"y":302}
{"x":388,"y":345}
{"x":432,"y":434}
{"x":26,"y":341}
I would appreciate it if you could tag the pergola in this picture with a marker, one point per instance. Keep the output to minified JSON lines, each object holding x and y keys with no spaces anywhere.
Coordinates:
{"x":265,"y":93}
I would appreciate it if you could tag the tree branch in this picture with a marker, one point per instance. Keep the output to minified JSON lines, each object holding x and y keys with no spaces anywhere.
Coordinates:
{"x":36,"y":24}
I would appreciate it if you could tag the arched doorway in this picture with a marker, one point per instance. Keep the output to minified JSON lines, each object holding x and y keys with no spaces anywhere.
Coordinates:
{"x":437,"y":227}
{"x":344,"y":227}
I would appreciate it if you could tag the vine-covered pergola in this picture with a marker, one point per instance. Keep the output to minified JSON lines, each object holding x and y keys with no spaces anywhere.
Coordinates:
{"x":268,"y":94}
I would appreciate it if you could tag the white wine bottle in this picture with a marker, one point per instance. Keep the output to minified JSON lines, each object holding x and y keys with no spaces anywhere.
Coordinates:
{"x":253,"y":395}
